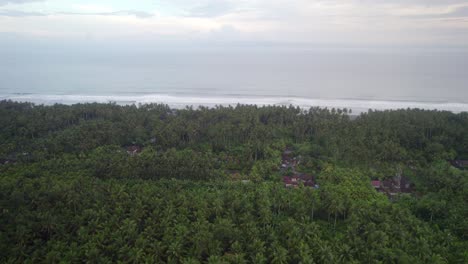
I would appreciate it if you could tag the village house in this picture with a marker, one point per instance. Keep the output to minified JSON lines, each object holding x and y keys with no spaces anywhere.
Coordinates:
{"x":290,"y":181}
{"x":133,"y":150}
{"x":286,"y":157}
{"x":288,"y":161}
{"x":234,"y":175}
{"x":297,"y":179}
{"x":287,"y":154}
{"x":461,"y":164}
{"x":6,"y":161}
{"x":393,"y":186}
{"x":294,"y":179}
{"x":376,"y":184}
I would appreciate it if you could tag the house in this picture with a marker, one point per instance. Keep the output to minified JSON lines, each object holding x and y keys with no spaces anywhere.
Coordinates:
{"x":376,"y":184}
{"x":290,"y":181}
{"x":133,"y":150}
{"x":307,"y":180}
{"x":461,"y":164}
{"x":288,"y":161}
{"x":297,"y":179}
{"x":287,"y":154}
{"x":393,"y":186}
{"x":5,"y":162}
{"x":405,"y":185}
{"x":234,"y":175}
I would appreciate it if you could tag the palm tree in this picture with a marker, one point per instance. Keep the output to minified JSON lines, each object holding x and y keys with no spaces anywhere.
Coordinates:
{"x":279,"y":254}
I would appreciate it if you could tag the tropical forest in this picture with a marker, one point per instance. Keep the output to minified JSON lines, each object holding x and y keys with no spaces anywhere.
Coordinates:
{"x":109,"y":183}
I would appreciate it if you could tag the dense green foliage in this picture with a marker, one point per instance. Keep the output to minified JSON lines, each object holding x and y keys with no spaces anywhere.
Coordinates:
{"x":70,"y":192}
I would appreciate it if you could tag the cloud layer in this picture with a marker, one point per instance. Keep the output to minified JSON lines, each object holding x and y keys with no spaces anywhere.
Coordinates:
{"x":5,"y":2}
{"x":347,"y":22}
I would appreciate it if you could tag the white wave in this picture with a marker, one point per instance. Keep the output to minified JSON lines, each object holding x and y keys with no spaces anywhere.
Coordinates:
{"x":357,"y":106}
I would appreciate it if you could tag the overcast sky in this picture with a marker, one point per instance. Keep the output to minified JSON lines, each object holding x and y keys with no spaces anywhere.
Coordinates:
{"x":439,"y":23}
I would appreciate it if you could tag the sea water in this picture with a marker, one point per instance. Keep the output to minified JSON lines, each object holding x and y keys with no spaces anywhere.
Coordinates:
{"x":357,"y":79}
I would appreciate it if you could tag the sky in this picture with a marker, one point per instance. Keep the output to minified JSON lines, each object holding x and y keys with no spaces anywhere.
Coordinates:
{"x":344,"y":23}
{"x":387,"y":49}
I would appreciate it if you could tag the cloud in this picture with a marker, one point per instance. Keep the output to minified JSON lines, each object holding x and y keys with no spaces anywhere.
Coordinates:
{"x":139,"y":14}
{"x":299,"y":21}
{"x":17,"y":13}
{"x":213,"y":9}
{"x":92,"y":8}
{"x":5,"y":2}
{"x":460,"y":12}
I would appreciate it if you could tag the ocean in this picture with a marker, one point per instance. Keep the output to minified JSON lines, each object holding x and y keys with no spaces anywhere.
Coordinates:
{"x":357,"y":79}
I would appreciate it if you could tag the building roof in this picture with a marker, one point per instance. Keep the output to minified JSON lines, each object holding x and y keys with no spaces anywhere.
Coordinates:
{"x":376,"y":184}
{"x":460,"y":163}
{"x":405,"y":185}
{"x":287,"y":151}
{"x":286,"y":179}
{"x":307,"y":180}
{"x":133,"y":149}
{"x":394,"y":185}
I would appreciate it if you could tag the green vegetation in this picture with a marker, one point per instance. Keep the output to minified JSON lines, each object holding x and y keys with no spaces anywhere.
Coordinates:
{"x":70,"y":191}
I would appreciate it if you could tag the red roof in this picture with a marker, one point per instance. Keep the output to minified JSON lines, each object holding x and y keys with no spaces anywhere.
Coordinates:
{"x":290,"y":181}
{"x":133,"y":149}
{"x":376,"y":184}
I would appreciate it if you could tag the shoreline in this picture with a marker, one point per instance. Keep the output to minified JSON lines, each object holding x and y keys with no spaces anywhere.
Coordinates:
{"x":358,"y":105}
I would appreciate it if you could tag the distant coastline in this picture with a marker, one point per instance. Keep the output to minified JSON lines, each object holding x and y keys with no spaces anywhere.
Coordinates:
{"x":358,"y":105}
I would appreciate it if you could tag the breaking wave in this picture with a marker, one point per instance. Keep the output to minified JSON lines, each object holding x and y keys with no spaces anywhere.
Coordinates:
{"x":357,"y":105}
